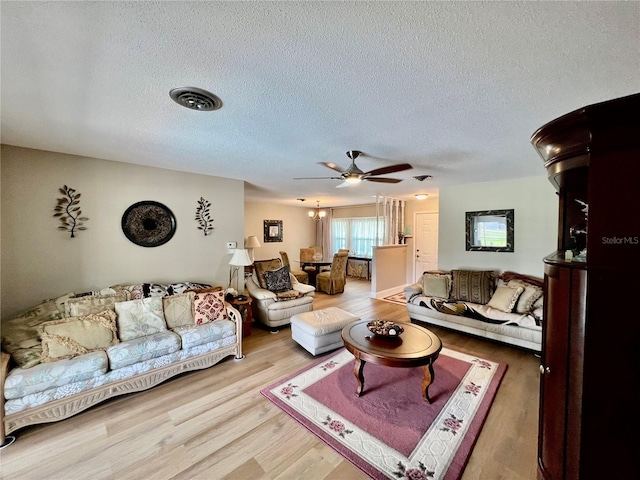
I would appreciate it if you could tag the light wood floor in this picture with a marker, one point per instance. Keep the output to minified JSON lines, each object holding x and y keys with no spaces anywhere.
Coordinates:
{"x":215,"y":424}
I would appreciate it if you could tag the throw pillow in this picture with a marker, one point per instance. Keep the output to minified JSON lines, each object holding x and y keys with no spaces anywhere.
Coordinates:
{"x":178,"y":309}
{"x":178,"y":288}
{"x":505,"y":298}
{"x":278,"y":280}
{"x":74,"y":336}
{"x":209,"y":307}
{"x":529,"y":296}
{"x":154,"y":290}
{"x":139,"y":318}
{"x":78,"y":307}
{"x":435,"y":286}
{"x":134,"y":291}
{"x":21,"y":336}
{"x":474,"y":286}
{"x":262,"y":266}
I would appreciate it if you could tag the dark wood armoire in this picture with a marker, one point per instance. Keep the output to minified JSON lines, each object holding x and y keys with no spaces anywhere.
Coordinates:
{"x":590,"y":368}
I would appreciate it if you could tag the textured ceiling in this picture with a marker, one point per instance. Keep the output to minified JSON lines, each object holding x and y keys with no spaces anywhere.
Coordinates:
{"x":454,"y":88}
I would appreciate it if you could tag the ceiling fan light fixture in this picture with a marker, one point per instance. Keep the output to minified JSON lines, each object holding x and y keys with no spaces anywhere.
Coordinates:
{"x":352,"y":179}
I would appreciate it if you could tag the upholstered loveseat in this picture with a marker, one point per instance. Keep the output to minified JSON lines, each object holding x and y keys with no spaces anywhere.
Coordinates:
{"x":276,"y":294}
{"x":67,"y":354}
{"x":506,"y":308}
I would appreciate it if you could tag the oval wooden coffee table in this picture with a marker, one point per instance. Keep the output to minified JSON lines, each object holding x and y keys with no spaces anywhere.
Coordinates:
{"x":416,"y":347}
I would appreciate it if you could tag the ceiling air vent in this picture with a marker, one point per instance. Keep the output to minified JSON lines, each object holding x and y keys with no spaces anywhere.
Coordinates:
{"x":195,"y":98}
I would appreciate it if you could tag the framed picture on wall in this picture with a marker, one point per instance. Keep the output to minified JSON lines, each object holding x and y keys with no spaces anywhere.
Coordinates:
{"x":273,"y":230}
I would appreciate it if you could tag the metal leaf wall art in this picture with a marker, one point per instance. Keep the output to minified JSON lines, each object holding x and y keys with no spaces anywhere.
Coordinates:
{"x":68,"y":210}
{"x":203,"y":216}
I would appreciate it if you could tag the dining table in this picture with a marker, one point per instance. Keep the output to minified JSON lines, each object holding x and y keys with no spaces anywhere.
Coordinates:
{"x":316,"y":264}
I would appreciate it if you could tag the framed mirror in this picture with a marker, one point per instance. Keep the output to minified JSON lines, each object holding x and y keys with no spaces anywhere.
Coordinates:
{"x":489,"y":231}
{"x":273,"y":230}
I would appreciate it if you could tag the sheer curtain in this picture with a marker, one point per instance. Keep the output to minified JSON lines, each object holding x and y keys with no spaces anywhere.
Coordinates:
{"x":356,"y":234}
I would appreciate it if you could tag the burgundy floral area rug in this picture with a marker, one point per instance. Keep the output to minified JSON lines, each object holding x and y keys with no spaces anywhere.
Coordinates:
{"x":391,"y":431}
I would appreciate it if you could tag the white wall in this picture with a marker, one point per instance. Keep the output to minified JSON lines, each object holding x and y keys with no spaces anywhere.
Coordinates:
{"x":298,"y":231}
{"x":39,"y":261}
{"x":535,"y":220}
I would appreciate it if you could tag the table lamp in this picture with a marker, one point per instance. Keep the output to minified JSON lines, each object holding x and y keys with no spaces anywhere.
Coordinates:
{"x":239,"y":259}
{"x":250,"y":243}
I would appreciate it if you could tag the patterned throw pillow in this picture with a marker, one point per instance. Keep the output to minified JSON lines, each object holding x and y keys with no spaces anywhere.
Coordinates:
{"x":134,"y":291}
{"x":436,"y":286}
{"x":209,"y":307}
{"x":528,"y":298}
{"x":278,"y":280}
{"x":473,"y":286}
{"x":262,"y":266}
{"x":154,"y":290}
{"x":138,"y":318}
{"x":178,"y":309}
{"x":74,"y":336}
{"x":78,"y":307}
{"x":178,"y":288}
{"x":20,"y":335}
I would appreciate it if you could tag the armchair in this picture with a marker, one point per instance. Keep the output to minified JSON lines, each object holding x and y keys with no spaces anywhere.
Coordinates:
{"x":333,"y":281}
{"x":266,"y":305}
{"x":301,"y":276}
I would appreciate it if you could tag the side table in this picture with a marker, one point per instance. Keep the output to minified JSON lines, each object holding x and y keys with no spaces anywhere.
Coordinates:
{"x":244,"y":307}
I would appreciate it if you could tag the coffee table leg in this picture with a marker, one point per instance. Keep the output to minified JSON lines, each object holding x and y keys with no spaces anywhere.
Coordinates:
{"x":429,"y":376}
{"x":358,"y":371}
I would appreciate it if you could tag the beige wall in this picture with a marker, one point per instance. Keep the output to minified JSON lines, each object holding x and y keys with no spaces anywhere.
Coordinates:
{"x":535,"y":222}
{"x":298,"y":231}
{"x":39,"y":261}
{"x":388,"y":276}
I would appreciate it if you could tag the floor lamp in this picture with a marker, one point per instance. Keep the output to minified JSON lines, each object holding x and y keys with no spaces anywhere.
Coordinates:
{"x":239,"y":259}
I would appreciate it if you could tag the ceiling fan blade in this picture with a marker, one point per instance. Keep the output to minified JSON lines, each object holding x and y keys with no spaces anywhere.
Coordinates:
{"x":390,"y":169}
{"x":382,"y":180}
{"x":318,"y":178}
{"x":332,"y":166}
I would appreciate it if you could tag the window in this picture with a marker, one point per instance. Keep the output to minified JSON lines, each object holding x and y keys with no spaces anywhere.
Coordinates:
{"x":356,"y":234}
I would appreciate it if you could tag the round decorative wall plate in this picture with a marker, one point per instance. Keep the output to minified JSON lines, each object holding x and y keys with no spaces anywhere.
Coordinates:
{"x":148,"y":223}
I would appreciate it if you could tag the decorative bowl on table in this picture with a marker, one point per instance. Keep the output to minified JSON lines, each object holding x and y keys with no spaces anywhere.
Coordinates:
{"x":385,"y":328}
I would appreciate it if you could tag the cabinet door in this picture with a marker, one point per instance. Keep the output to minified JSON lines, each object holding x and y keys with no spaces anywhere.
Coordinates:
{"x":553,"y":378}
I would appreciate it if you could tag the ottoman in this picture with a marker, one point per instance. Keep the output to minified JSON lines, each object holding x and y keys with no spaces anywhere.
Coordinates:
{"x":320,"y":331}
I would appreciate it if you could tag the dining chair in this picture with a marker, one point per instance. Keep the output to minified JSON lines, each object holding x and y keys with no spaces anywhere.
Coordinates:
{"x":303,"y":277}
{"x":333,"y":281}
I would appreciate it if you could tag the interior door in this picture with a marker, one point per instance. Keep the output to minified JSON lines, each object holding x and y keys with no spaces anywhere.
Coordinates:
{"x":426,"y":242}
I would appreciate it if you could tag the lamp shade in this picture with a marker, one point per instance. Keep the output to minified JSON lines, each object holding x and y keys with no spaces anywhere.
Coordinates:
{"x":240,"y":258}
{"x":251,"y":242}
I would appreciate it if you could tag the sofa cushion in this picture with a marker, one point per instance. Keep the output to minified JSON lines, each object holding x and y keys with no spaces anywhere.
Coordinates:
{"x":178,"y":309}
{"x":20,"y":335}
{"x":262,"y":266}
{"x":529,"y":296}
{"x":435,"y":286}
{"x":505,"y":298}
{"x":73,"y":336}
{"x":209,"y":307}
{"x":138,"y":318}
{"x":143,"y":348}
{"x":21,"y":382}
{"x":194,"y":335}
{"x":78,"y":307}
{"x":474,"y":286}
{"x":278,"y":280}
{"x":288,"y":295}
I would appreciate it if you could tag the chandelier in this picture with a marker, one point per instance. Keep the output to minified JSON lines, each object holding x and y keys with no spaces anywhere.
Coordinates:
{"x":317,"y":214}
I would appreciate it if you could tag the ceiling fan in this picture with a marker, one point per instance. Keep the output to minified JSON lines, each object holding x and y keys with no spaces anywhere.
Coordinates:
{"x":353,"y":174}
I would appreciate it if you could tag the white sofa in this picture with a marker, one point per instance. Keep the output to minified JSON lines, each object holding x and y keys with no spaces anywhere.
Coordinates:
{"x":520,"y":325}
{"x":54,"y":389}
{"x":275,"y":309}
